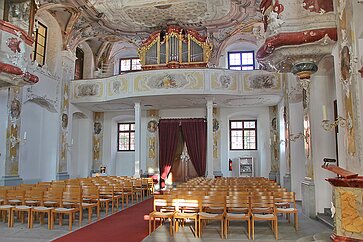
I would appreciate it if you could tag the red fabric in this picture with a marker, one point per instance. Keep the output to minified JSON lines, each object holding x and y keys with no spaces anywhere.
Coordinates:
{"x":195,"y":135}
{"x":168,"y":140}
{"x":129,"y":225}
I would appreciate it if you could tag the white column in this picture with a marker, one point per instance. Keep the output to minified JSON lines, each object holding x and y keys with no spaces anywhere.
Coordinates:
{"x":210,"y":138}
{"x":137,"y":139}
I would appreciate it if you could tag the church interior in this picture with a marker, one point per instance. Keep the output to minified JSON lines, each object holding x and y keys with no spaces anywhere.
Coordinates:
{"x":184,"y":95}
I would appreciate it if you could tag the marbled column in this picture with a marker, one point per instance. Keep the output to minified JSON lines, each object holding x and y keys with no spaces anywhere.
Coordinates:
{"x":68,"y":59}
{"x":287,"y":176}
{"x":97,"y":147}
{"x":210,"y":138}
{"x":152,"y":127}
{"x":13,"y":137}
{"x":304,"y":71}
{"x":216,"y":143}
{"x":275,"y":144}
{"x":137,"y":139}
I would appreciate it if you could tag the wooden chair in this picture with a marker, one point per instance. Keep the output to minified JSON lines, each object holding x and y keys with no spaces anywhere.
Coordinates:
{"x":5,"y":209}
{"x":164,"y":209}
{"x":90,"y":200}
{"x":238,"y":208}
{"x":69,"y":197}
{"x":51,"y":199}
{"x":187,"y":208}
{"x":17,"y":198}
{"x":106,"y":197}
{"x":263,"y":208}
{"x":213,"y":208}
{"x":286,"y":204}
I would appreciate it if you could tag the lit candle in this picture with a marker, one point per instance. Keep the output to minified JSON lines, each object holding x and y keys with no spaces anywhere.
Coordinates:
{"x":25,"y":135}
{"x":324,"y":113}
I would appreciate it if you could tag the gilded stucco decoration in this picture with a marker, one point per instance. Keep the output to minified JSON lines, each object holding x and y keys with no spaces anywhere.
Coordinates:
{"x":224,"y":81}
{"x":117,"y":86}
{"x":216,"y":132}
{"x":88,"y":90}
{"x":262,"y":82}
{"x":152,"y":134}
{"x":13,"y":131}
{"x":98,"y":123}
{"x":347,"y":78}
{"x":186,"y":80}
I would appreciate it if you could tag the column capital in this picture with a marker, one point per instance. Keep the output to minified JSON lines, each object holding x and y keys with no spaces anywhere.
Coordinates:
{"x":304,"y":70}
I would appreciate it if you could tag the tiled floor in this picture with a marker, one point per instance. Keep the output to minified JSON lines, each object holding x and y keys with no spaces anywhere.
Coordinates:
{"x":310,"y":230}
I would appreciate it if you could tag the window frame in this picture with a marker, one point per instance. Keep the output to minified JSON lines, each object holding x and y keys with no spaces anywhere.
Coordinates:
{"x":36,"y":35}
{"x":242,"y":129}
{"x":242,"y":65}
{"x":130,"y":70}
{"x":129,"y":131}
{"x":79,"y":63}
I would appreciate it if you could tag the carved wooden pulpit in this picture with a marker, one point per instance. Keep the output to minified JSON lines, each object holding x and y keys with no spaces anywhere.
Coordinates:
{"x":348,"y":203}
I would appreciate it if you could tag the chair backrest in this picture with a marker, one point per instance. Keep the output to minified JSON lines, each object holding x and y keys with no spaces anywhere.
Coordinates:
{"x":91,"y":193}
{"x":15,"y":195}
{"x":34,"y":195}
{"x":215,"y":203}
{"x":263,"y":204}
{"x":237,"y":203}
{"x":73,"y":197}
{"x":285,"y":197}
{"x":164,"y":203}
{"x":188,"y":203}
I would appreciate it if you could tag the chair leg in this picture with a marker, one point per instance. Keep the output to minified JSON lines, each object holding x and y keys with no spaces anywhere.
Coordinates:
{"x":70,"y":221}
{"x":226,"y":228}
{"x":296,"y":221}
{"x":253,"y":228}
{"x":276,"y":230}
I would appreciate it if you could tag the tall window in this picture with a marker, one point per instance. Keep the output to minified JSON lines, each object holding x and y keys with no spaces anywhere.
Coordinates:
{"x":40,"y":40}
{"x":241,"y":60}
{"x":129,"y":64}
{"x":243,"y":134}
{"x":78,"y":70}
{"x":126,"y":137}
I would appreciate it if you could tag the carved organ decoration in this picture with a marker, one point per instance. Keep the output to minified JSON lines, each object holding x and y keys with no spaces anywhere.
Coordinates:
{"x":175,"y":47}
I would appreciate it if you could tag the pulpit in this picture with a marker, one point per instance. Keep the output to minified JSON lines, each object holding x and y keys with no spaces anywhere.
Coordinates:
{"x":348,"y":203}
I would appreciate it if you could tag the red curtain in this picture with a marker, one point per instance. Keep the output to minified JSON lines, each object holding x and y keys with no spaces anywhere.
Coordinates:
{"x":168,"y":140}
{"x":195,"y":136}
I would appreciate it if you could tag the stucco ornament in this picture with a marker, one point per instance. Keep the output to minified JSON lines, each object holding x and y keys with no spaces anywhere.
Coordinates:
{"x":275,"y":22}
{"x":17,"y":46}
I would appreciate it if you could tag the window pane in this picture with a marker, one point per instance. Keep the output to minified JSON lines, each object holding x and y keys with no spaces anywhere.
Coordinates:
{"x":132,"y":141}
{"x":136,"y":64}
{"x":247,"y":58}
{"x":246,"y":68}
{"x":39,"y":59}
{"x":125,"y":65}
{"x":123,"y":141}
{"x":234,"y":58}
{"x":132,"y":127}
{"x":249,"y":124}
{"x":41,"y":30}
{"x":40,"y":50}
{"x":123,"y":127}
{"x":235,"y":68}
{"x":236,"y":139}
{"x":41,"y":40}
{"x":236,"y":125}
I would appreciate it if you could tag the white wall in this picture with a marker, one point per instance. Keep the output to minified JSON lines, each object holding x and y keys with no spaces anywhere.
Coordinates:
{"x":323,"y":142}
{"x":297,"y":153}
{"x":38,"y":155}
{"x":262,"y":157}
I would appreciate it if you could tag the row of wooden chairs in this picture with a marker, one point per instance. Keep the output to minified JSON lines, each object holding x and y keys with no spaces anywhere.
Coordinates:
{"x":65,"y":198}
{"x":245,"y":207}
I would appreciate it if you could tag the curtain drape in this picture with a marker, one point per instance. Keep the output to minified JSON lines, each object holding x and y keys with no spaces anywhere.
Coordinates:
{"x":168,"y":139}
{"x":195,"y":136}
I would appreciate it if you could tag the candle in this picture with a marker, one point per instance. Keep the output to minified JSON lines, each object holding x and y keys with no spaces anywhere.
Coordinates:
{"x":72,"y":142}
{"x":25,"y":135}
{"x":324,"y":113}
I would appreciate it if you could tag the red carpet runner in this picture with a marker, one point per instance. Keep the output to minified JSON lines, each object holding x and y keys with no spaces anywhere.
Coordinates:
{"x":128,"y":225}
